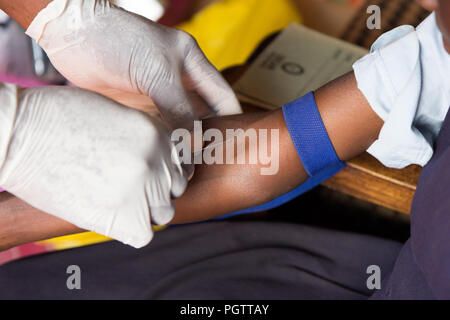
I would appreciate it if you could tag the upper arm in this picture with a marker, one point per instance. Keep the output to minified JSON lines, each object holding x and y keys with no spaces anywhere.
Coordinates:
{"x":348,"y":117}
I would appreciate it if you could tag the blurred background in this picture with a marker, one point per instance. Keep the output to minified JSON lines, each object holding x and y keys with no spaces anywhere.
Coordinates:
{"x":228,"y":31}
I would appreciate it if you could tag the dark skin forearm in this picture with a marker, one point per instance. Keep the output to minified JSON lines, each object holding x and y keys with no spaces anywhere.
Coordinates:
{"x":23,"y":11}
{"x":350,"y":123}
{"x":219,"y":189}
{"x":20,"y":223}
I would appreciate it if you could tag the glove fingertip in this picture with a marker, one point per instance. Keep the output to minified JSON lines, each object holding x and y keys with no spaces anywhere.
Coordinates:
{"x":162,"y":215}
{"x":140,"y":241}
{"x":229,"y":107}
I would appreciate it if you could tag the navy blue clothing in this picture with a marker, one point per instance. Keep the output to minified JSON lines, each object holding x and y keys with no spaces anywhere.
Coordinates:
{"x":423,"y":267}
{"x":215,"y":260}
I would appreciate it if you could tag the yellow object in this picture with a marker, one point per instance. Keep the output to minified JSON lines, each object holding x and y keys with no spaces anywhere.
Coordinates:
{"x":79,"y":240}
{"x":228,"y":31}
{"x":74,"y":241}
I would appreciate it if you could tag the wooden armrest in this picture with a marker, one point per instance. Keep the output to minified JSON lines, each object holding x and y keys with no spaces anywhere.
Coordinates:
{"x":364,"y":177}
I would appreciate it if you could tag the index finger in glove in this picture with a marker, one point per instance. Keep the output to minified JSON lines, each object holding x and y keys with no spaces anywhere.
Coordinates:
{"x":209,"y":83}
{"x":174,"y":104}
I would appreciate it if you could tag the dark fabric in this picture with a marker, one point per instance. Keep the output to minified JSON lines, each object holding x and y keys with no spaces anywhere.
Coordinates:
{"x":431,"y":218}
{"x":406,"y":281}
{"x":215,"y":260}
{"x":422,"y":271}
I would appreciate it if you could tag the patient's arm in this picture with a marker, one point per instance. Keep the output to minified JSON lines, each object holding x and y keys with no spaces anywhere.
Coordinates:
{"x":21,"y":223}
{"x":219,"y":189}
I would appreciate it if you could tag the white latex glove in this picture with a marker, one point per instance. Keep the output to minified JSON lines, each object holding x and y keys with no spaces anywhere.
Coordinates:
{"x":128,"y":58}
{"x":88,"y":160}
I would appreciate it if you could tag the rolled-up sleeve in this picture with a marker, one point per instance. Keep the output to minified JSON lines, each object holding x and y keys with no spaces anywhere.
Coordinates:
{"x":400,"y":79}
{"x":390,"y":79}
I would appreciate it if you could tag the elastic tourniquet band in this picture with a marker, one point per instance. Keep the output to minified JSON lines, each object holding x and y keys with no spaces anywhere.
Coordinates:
{"x":313,"y":146}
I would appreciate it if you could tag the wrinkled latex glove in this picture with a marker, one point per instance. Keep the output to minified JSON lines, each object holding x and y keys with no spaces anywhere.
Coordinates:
{"x":130,"y":59}
{"x":88,"y":160}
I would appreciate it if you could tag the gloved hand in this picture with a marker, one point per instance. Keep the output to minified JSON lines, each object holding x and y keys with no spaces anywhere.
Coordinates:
{"x":128,"y":58}
{"x":88,"y":160}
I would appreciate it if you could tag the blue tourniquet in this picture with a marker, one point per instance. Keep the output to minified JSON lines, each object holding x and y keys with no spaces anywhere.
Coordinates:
{"x":313,"y":146}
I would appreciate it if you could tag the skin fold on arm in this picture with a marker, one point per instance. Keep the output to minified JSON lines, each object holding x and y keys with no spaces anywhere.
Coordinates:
{"x":218,"y":189}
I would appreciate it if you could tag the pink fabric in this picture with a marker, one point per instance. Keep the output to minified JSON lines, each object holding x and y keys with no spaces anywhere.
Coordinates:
{"x":23,"y":82}
{"x":23,"y":251}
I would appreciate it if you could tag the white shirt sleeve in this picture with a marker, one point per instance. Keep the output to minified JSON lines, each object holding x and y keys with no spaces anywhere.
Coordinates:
{"x":405,"y":79}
